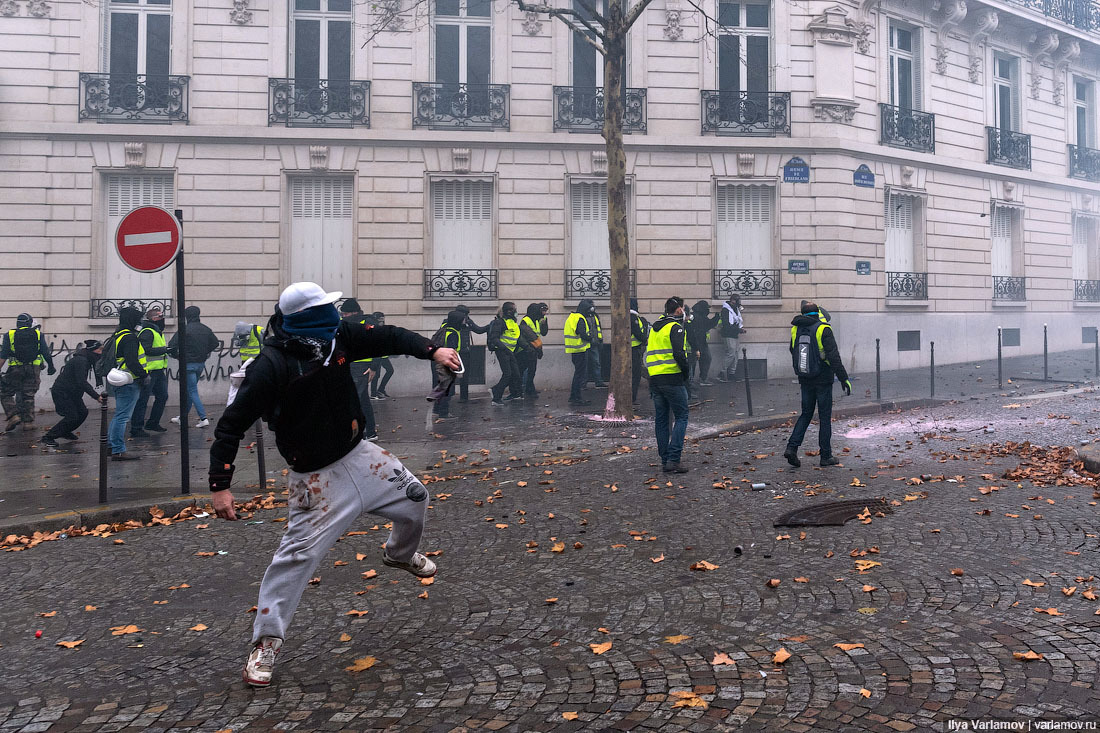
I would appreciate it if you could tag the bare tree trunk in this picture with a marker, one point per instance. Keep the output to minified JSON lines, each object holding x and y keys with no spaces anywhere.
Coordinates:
{"x":619,"y":404}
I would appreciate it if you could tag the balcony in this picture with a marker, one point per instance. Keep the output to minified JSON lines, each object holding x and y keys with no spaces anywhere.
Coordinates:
{"x":440,"y":284}
{"x":318,"y":103}
{"x":1081,"y":14}
{"x":581,"y":109}
{"x":758,"y":114}
{"x":909,"y":285}
{"x":133,"y":98}
{"x":443,"y":106}
{"x":109,"y":307}
{"x":1008,"y":148}
{"x":746,"y":283}
{"x":1086,"y":291}
{"x":1084,"y":163}
{"x":593,"y":284}
{"x":1009,"y":288}
{"x":908,"y":128}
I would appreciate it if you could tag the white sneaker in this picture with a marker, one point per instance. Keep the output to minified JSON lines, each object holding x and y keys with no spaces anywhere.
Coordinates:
{"x":419,"y":565}
{"x":175,"y":420}
{"x":261,"y":661}
{"x":204,"y":423}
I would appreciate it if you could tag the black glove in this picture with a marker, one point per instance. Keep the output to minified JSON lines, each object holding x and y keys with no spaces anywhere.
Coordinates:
{"x":221,"y":475}
{"x":51,"y":371}
{"x":846,"y":385}
{"x":102,"y":398}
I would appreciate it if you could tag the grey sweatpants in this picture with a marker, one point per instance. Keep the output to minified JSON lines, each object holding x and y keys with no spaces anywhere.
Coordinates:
{"x":729,"y":363}
{"x":322,"y":505}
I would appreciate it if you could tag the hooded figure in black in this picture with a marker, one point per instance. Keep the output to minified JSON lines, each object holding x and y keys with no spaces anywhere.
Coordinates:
{"x":504,"y":340}
{"x":26,"y":353}
{"x":698,"y":330}
{"x":129,"y":358}
{"x":532,"y":328}
{"x":639,"y":334}
{"x":451,"y":338}
{"x":68,"y":392}
{"x":578,"y":342}
{"x":201,"y":343}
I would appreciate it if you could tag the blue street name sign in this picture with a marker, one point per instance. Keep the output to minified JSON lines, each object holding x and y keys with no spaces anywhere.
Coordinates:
{"x":796,"y":171}
{"x":798,"y":267}
{"x":863,"y":177}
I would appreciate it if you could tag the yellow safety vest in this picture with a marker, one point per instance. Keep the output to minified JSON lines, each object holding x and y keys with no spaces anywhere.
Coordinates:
{"x":658,"y":352}
{"x":157,"y":362}
{"x":574,"y":344}
{"x":598,"y":329}
{"x":634,"y":340}
{"x":120,"y":361}
{"x":820,"y":346}
{"x":510,"y":337}
{"x":38,"y":360}
{"x":530,"y":324}
{"x":255,"y":343}
{"x":456,"y":332}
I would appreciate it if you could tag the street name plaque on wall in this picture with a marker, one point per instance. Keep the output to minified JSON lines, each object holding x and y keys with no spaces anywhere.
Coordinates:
{"x":796,"y":170}
{"x":798,"y":267}
{"x":863,"y":177}
{"x":863,"y":267}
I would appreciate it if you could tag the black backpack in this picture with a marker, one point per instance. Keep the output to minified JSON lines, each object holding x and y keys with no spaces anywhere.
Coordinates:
{"x":24,"y":344}
{"x":805,"y":353}
{"x":107,"y":360}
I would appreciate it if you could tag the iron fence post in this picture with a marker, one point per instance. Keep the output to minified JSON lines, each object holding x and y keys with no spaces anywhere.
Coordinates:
{"x":878,"y":372}
{"x":1000,"y":370}
{"x":1046,"y":374}
{"x":932,"y":366}
{"x":748,"y":390}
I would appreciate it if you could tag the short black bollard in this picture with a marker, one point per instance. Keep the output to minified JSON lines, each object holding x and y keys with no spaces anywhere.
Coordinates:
{"x":260,"y":454}
{"x":878,"y":372}
{"x":1096,"y":355}
{"x":103,"y":452}
{"x":745,"y":367}
{"x":1046,"y":374}
{"x":932,"y":366}
{"x":1000,"y":371}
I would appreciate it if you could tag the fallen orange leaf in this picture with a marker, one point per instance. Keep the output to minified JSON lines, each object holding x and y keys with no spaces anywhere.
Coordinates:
{"x":659,"y":558}
{"x":551,"y":600}
{"x":370,"y":574}
{"x":1033,"y":584}
{"x":703,"y":565}
{"x":569,"y":715}
{"x":773,"y":583}
{"x":199,"y":627}
{"x":427,"y":581}
{"x":869,"y":588}
{"x":848,"y":647}
{"x":721,"y":658}
{"x":91,"y":608}
{"x":361,"y":664}
{"x":781,"y":656}
{"x":70,"y":644}
{"x":600,"y":648}
{"x":345,"y":637}
{"x":802,"y":580}
{"x":358,"y":614}
{"x":677,"y":639}
{"x":557,"y":547}
{"x":123,"y":630}
{"x":1028,"y":656}
{"x":1067,"y":592}
{"x":49,"y":614}
{"x":800,"y":638}
{"x":1049,"y":611}
{"x":864,"y":692}
{"x":423,"y":595}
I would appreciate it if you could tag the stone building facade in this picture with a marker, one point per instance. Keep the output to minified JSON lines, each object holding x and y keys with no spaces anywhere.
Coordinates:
{"x":924,"y":169}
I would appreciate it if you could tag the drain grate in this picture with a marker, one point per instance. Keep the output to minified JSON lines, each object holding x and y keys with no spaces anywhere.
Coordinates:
{"x":831,"y":513}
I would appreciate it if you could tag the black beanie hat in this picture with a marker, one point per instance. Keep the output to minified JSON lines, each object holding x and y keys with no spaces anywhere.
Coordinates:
{"x":808,"y":306}
{"x":23,"y":319}
{"x":92,"y":344}
{"x":351,"y":305}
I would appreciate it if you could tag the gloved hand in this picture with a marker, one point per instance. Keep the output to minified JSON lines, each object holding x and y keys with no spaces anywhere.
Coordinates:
{"x":221,"y":476}
{"x":51,"y":371}
{"x":103,"y":398}
{"x":847,"y":387}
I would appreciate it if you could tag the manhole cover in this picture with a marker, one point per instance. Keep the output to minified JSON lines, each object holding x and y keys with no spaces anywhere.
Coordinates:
{"x":831,"y":513}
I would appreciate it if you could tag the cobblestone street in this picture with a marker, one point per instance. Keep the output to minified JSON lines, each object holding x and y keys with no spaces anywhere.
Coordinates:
{"x":903,"y":621}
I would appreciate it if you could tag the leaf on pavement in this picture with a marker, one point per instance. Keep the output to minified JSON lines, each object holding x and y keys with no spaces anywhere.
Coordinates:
{"x":688,"y":699}
{"x":863,"y":691}
{"x":551,"y":601}
{"x":91,"y":608}
{"x":957,"y":571}
{"x":123,"y":630}
{"x":357,"y":614}
{"x":703,"y":566}
{"x":866,"y":564}
{"x":48,"y":614}
{"x":781,"y":656}
{"x":345,"y":637}
{"x":557,"y":547}
{"x":721,"y":658}
{"x":205,"y":554}
{"x":600,"y":648}
{"x":427,"y":581}
{"x":339,"y":563}
{"x":869,"y":589}
{"x":1028,"y":656}
{"x":773,"y":583}
{"x":800,"y":638}
{"x":659,"y":558}
{"x":676,"y":639}
{"x":369,"y":574}
{"x":568,"y":715}
{"x":1067,"y":592}
{"x":422,"y":595}
{"x":361,"y":664}
{"x":360,"y":556}
{"x":1031,"y":583}
{"x":70,"y":644}
{"x":802,"y":579}
{"x":848,"y":647}
{"x":199,"y":627}
{"x":1049,"y":611}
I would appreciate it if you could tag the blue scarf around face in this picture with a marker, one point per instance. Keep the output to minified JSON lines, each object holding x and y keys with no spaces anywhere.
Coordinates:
{"x":319,"y":322}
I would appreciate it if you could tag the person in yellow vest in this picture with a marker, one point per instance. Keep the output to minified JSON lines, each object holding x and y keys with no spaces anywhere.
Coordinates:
{"x":383,"y":366}
{"x":249,"y":339}
{"x":151,"y":337}
{"x":503,"y":340}
{"x":816,"y":360}
{"x":667,"y":363}
{"x":533,"y":326}
{"x":362,"y":370}
{"x":130,"y":358}
{"x":578,"y":342}
{"x":595,"y":331}
{"x":24,"y":350}
{"x":639,"y":335}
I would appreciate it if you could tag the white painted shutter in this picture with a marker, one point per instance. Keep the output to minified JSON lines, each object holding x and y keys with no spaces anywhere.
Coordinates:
{"x":899,"y":233}
{"x":744,"y":232}
{"x":918,"y":69}
{"x":462,"y":225}
{"x":1082,"y":236}
{"x":588,"y":227}
{"x":1001,"y":254}
{"x":322,"y":232}
{"x":125,"y":192}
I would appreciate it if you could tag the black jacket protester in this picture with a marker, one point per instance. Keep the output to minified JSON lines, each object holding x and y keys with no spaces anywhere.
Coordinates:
{"x":832,"y":366}
{"x":73,"y":377}
{"x":312,"y":407}
{"x":201,"y":343}
{"x":678,"y":353}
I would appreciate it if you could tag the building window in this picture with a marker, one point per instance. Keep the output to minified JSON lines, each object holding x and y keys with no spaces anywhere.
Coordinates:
{"x":322,"y":232}
{"x":744,"y":46}
{"x":901,"y":241}
{"x":905,"y":66}
{"x":463,"y":47}
{"x":462,"y":224}
{"x":1085,"y":240}
{"x":126,"y":192}
{"x":744,"y":232}
{"x":1005,"y":241}
{"x":1006,"y":92}
{"x":321,"y":48}
{"x":140,"y":38}
{"x":588,"y":226}
{"x":1084,"y":130}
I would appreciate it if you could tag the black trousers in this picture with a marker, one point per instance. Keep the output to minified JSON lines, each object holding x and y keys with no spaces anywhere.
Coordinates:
{"x":381,"y":365}
{"x":528,"y":363}
{"x":71,"y":409}
{"x":509,"y":374}
{"x":362,"y":386}
{"x":636,"y":367}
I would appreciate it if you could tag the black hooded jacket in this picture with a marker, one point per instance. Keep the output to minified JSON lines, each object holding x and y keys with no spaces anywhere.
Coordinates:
{"x":701,"y":324}
{"x":127,"y":347}
{"x":73,"y":377}
{"x":832,"y":366}
{"x":310,"y":403}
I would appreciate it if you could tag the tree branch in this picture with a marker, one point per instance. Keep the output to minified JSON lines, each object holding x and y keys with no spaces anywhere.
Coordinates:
{"x":635,"y":13}
{"x":570,"y":18}
{"x":708,"y":20}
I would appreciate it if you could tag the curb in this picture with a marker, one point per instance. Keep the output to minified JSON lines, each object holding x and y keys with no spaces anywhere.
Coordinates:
{"x":92,"y":516}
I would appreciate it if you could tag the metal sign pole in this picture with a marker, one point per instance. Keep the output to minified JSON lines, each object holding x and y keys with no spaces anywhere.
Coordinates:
{"x":181,"y":371}
{"x":103,"y":450}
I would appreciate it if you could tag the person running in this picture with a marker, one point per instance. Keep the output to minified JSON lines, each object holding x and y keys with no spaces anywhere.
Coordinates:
{"x":533,"y":326}
{"x":201,"y":343}
{"x":362,"y":370}
{"x":380,"y":365}
{"x":667,"y":363}
{"x":301,"y":384}
{"x":68,"y":392}
{"x":26,"y":353}
{"x":151,"y":336}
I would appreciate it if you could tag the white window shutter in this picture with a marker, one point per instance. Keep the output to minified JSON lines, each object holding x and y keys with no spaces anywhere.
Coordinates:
{"x":900,"y":255}
{"x":918,"y":68}
{"x":744,"y":227}
{"x":1083,"y":235}
{"x":322,"y":232}
{"x":126,"y":192}
{"x":1001,"y":252}
{"x":588,"y":227}
{"x":462,"y":225}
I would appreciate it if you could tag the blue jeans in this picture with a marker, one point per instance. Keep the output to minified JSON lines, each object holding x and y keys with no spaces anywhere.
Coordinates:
{"x":580,"y":375}
{"x":156,"y":386}
{"x":595,"y":371}
{"x":667,"y":399}
{"x":125,"y":399}
{"x":194,"y":369}
{"x":819,"y":394}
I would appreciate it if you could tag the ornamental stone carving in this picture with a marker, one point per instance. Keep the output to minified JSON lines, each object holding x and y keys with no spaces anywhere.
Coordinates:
{"x":834,"y":26}
{"x":952,"y":13}
{"x":673,"y":30}
{"x":599,"y":162}
{"x":318,"y":158}
{"x":1068,"y":51}
{"x":864,"y":26}
{"x":834,"y":35}
{"x":240,"y":14}
{"x":8,"y":7}
{"x":1042,"y":47}
{"x":746,"y":164}
{"x":985,"y":23}
{"x":907,"y":173}
{"x":135,"y":154}
{"x":460,"y":160}
{"x":532,"y":23}
{"x":834,"y":111}
{"x":38,"y":8}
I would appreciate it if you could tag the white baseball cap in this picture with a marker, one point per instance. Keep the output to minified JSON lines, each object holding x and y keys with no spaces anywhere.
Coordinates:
{"x":299,"y":296}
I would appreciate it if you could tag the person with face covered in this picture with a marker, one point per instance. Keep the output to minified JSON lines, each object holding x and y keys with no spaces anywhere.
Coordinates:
{"x":26,"y":353}
{"x":151,"y":337}
{"x":465,"y":334}
{"x":503,"y":340}
{"x":532,"y":327}
{"x":68,"y":392}
{"x":578,"y":342}
{"x":667,"y":363}
{"x":301,"y":384}
{"x":639,"y":335}
{"x":450,"y":337}
{"x":698,"y":331}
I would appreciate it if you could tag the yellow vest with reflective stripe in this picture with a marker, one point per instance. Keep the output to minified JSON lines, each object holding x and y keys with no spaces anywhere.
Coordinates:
{"x":658,"y":352}
{"x":820,"y":346}
{"x":574,"y":344}
{"x":634,"y":340}
{"x":530,"y":324}
{"x":510,"y":337}
{"x":597,"y":329}
{"x":157,"y":362}
{"x":120,"y":361}
{"x":38,"y":360}
{"x":456,"y":332}
{"x":255,"y":343}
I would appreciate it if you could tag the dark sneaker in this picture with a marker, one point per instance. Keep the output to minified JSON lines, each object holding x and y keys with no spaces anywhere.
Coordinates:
{"x":138,"y":434}
{"x":674,"y":467}
{"x":69,"y":436}
{"x":383,"y":395}
{"x":373,"y":437}
{"x":50,"y":443}
{"x":497,"y":403}
{"x":830,"y":461}
{"x":722,"y":378}
{"x":792,"y":457}
{"x":124,"y":456}
{"x":155,"y":428}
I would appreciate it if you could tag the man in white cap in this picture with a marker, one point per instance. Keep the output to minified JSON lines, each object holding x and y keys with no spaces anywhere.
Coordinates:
{"x":301,"y":384}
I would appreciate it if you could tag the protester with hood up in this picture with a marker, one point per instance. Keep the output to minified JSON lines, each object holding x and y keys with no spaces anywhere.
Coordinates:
{"x":450,"y":337}
{"x":129,"y":358}
{"x":532,"y":327}
{"x":667,"y":363}
{"x":68,"y":392}
{"x":578,"y":342}
{"x":152,"y":341}
{"x":380,"y":365}
{"x":816,"y":360}
{"x":468,"y":328}
{"x":698,"y":330}
{"x":595,"y":331}
{"x":731,"y":327}
{"x":26,"y":353}
{"x":248,"y":338}
{"x":362,"y":370}
{"x":301,"y":384}
{"x":201,"y":343}
{"x":503,"y":340}
{"x":639,"y":334}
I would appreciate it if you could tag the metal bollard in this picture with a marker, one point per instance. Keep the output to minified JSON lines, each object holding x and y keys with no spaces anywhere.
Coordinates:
{"x":748,"y":390}
{"x":1000,"y":370}
{"x":103,"y":452}
{"x":260,"y":454}
{"x":1046,"y":374}
{"x":1096,"y":355}
{"x":932,"y":366}
{"x":878,"y":372}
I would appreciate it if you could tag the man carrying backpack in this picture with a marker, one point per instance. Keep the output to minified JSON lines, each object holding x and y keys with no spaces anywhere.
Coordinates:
{"x":25,"y":351}
{"x":816,"y":360}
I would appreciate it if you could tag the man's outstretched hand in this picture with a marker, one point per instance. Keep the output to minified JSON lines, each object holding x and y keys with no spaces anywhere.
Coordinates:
{"x":223,"y":505}
{"x":448,"y":358}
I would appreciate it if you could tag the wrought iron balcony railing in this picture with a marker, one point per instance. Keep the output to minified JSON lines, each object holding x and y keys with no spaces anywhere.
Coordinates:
{"x":318,"y":103}
{"x":1008,"y":148}
{"x":746,"y":113}
{"x":581,"y":109}
{"x":908,"y":128}
{"x":1084,"y":163}
{"x":1086,"y":291}
{"x":109,"y":307}
{"x":133,"y":98}
{"x":1082,"y":14}
{"x":746,"y":283}
{"x":593,"y":284}
{"x":1009,"y":288}
{"x":441,"y":105}
{"x":460,"y":284}
{"x":912,"y":285}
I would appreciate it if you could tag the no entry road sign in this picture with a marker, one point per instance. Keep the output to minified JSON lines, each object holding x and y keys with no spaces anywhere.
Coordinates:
{"x":148,"y":239}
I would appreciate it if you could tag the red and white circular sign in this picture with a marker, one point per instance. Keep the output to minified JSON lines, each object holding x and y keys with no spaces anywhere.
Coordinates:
{"x":148,"y":239}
